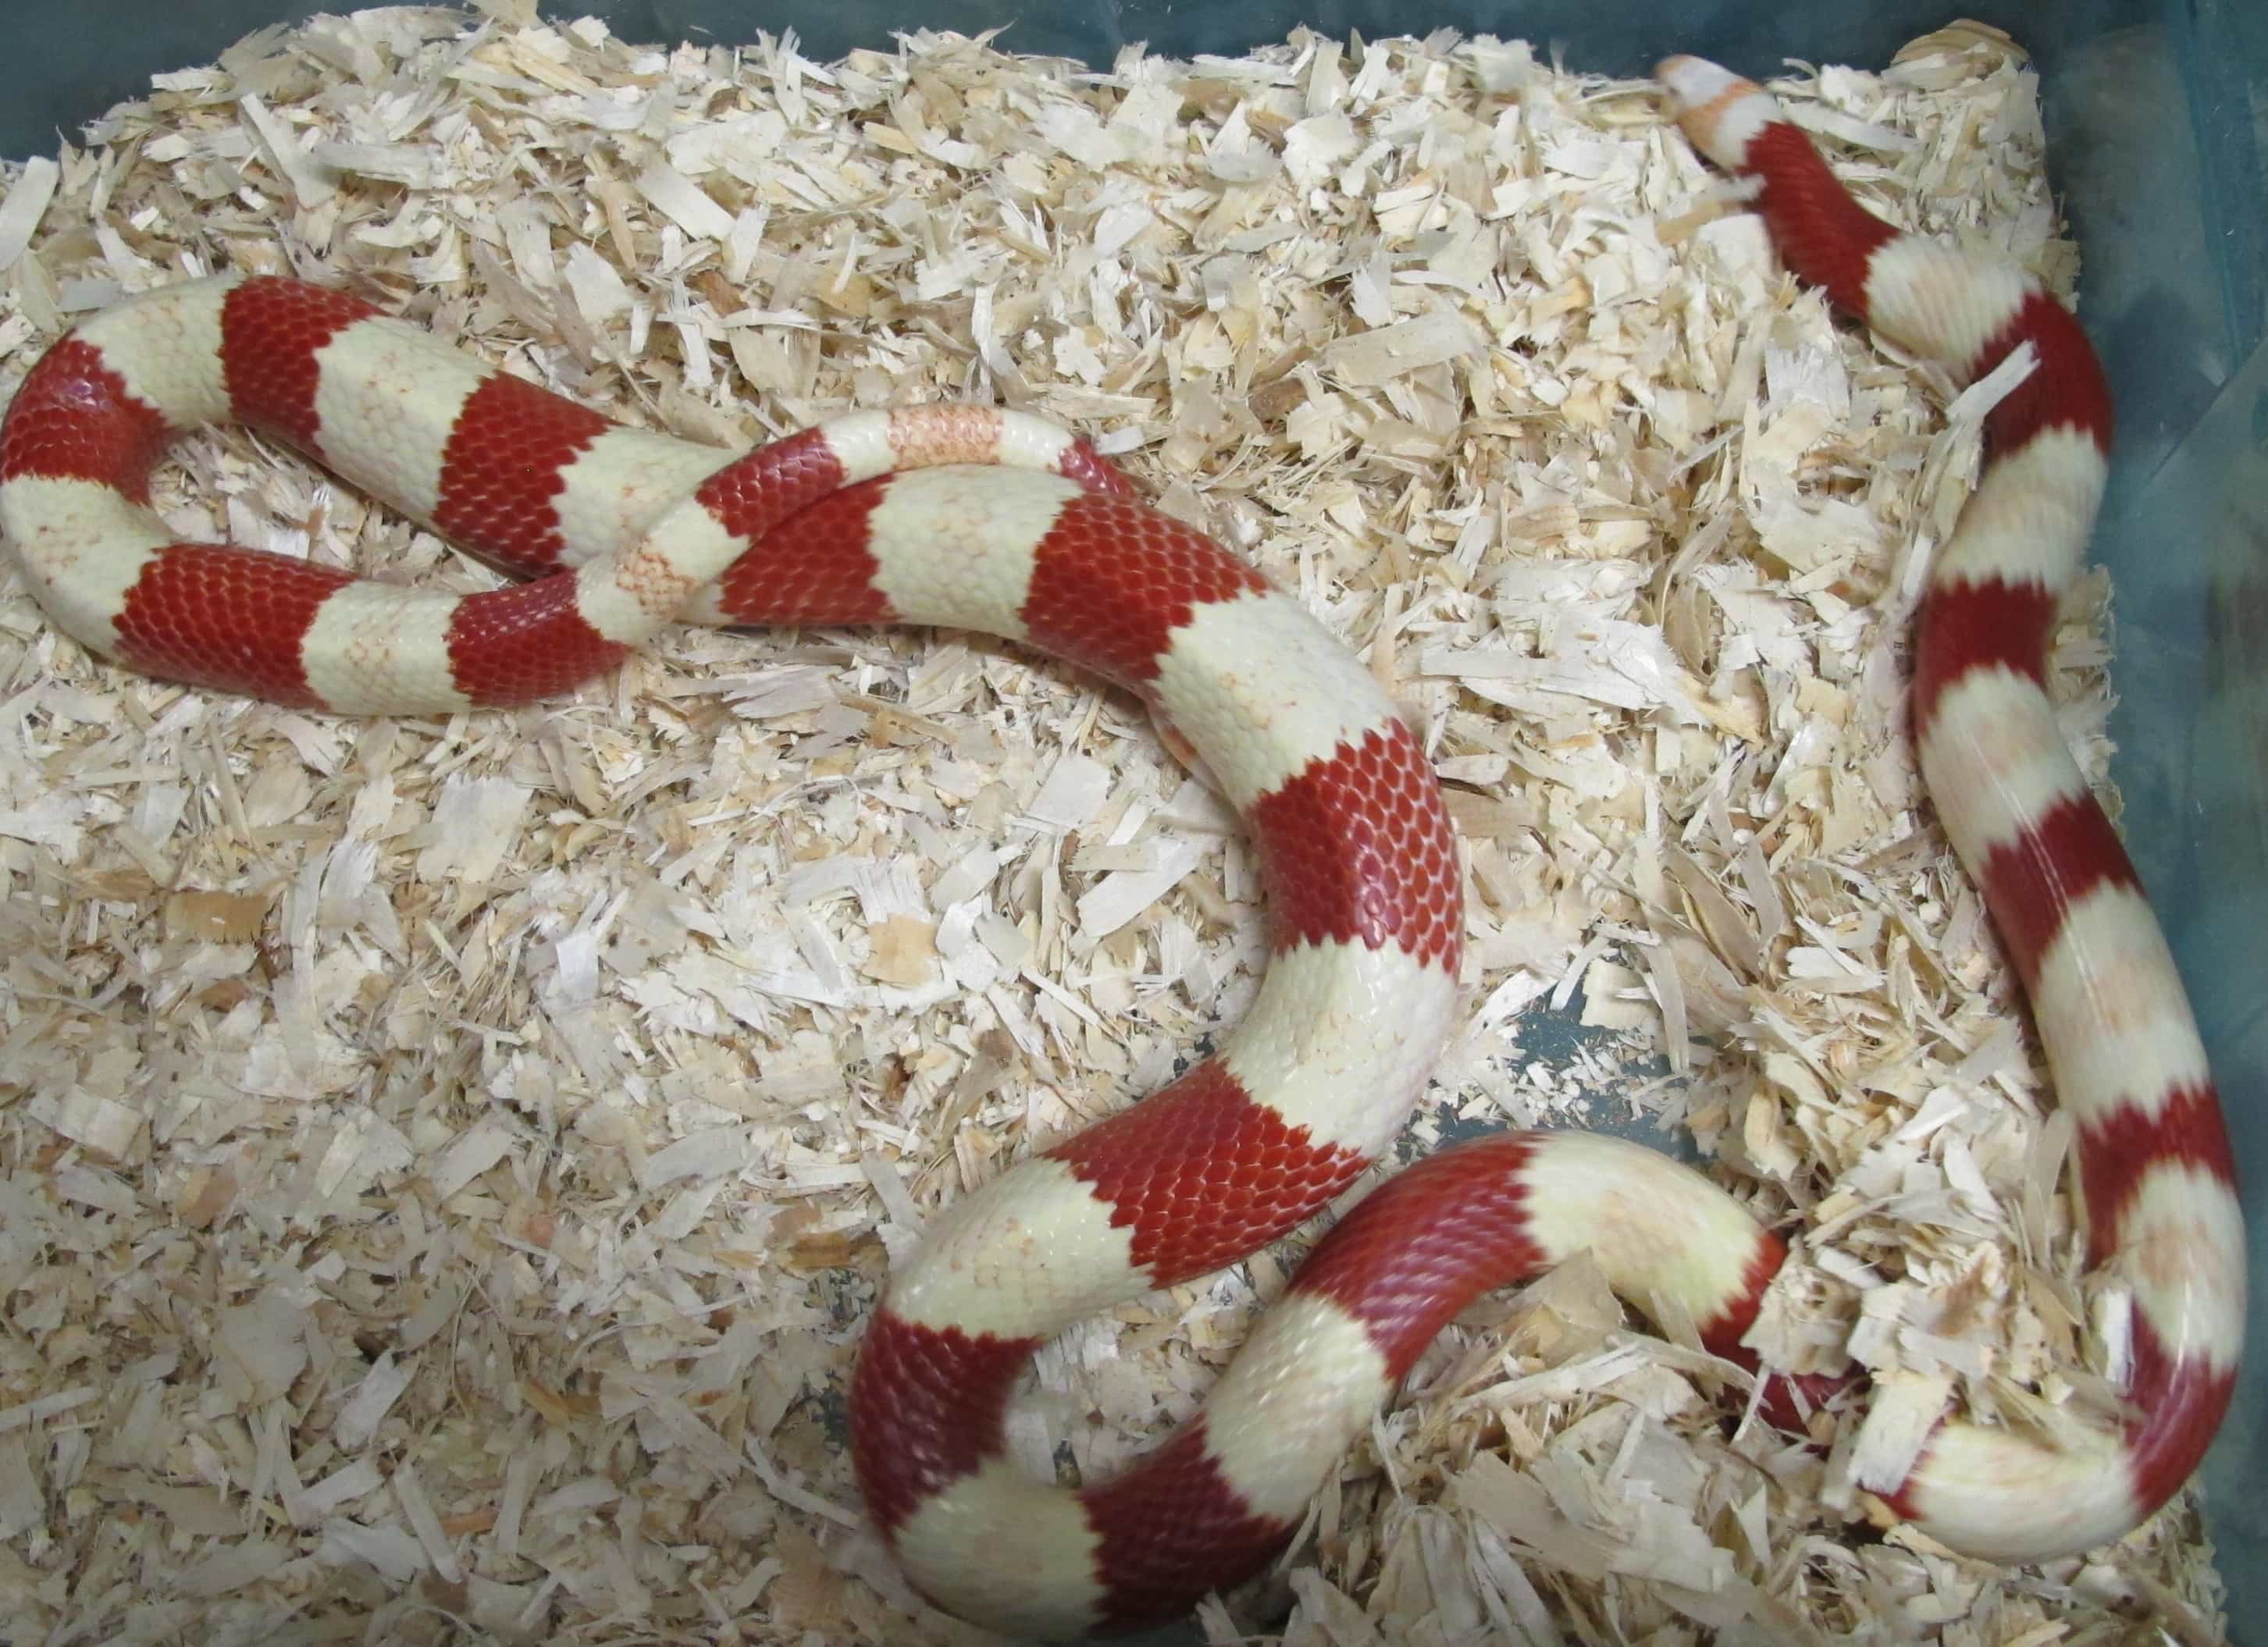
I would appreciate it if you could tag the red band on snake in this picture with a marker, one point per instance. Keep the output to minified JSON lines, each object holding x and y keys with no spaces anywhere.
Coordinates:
{"x":970,"y":518}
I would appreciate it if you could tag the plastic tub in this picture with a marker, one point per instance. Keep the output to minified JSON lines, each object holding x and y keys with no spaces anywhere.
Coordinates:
{"x":2156,"y":146}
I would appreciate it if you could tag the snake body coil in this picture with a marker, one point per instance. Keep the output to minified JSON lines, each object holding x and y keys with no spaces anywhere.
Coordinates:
{"x":970,"y":518}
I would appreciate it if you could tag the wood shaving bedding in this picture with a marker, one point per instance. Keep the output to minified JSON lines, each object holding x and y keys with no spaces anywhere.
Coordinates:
{"x":448,"y":1163}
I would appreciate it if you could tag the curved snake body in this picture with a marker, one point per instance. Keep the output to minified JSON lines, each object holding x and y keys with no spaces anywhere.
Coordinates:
{"x":970,"y":518}
{"x":2153,"y":1156}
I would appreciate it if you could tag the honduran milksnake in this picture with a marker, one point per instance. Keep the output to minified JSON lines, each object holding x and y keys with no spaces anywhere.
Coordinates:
{"x":977,"y":518}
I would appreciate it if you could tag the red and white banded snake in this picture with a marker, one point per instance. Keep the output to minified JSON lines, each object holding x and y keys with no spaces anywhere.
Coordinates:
{"x":970,"y":518}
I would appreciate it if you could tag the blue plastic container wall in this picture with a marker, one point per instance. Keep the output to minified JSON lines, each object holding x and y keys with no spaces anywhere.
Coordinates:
{"x":2155,"y":147}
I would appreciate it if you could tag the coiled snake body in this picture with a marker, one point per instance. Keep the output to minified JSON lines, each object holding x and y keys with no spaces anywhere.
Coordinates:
{"x":971,"y":517}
